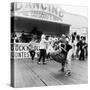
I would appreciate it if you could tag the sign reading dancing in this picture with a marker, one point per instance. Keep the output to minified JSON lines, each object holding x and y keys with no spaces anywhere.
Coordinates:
{"x":38,"y":11}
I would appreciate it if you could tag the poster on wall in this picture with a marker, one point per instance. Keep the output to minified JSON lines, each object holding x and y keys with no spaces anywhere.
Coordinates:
{"x":49,"y":45}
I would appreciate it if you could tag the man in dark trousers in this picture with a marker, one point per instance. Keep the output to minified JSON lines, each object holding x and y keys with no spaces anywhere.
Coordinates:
{"x":82,"y":46}
{"x":86,"y":47}
{"x":77,"y":51}
{"x":43,"y":47}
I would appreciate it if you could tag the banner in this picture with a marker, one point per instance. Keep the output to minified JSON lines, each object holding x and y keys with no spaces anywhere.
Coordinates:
{"x":39,"y":11}
{"x":21,"y":50}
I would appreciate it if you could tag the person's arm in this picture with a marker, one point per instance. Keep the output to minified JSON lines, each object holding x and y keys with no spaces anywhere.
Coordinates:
{"x":63,"y":48}
{"x":29,"y":45}
{"x":84,"y":46}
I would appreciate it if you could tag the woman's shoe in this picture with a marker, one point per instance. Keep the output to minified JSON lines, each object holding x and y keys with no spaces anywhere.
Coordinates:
{"x":68,"y":73}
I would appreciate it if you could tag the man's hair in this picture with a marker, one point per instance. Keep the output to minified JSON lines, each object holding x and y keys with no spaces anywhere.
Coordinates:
{"x":75,"y":33}
{"x":81,"y":37}
{"x":84,"y":38}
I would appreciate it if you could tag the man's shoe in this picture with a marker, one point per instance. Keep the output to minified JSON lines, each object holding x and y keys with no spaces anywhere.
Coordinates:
{"x":61,"y":70}
{"x":44,"y":63}
{"x":38,"y":62}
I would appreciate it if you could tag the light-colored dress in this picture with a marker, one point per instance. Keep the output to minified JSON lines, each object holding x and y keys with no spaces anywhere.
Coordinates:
{"x":69,"y":59}
{"x":50,"y":49}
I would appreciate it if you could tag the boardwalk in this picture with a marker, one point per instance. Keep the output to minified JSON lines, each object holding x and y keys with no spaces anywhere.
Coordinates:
{"x":30,"y":74}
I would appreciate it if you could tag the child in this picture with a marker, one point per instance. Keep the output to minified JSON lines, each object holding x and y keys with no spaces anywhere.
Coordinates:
{"x":32,"y":49}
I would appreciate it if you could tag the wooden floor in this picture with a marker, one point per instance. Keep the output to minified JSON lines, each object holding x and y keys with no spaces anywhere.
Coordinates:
{"x":30,"y":74}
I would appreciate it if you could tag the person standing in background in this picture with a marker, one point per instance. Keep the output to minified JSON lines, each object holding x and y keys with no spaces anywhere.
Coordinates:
{"x":77,"y":51}
{"x":82,"y":46}
{"x":74,"y":42}
{"x":85,"y":47}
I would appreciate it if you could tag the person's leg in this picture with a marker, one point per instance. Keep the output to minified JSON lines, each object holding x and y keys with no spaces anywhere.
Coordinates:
{"x":68,"y":68}
{"x":63,"y":66}
{"x":86,"y":52}
{"x":83,"y":55}
{"x":80,"y":57}
{"x":73,"y":53}
{"x":40,"y":56}
{"x":33,"y":55}
{"x":48,"y":55}
{"x":77,"y":53}
{"x":44,"y":55}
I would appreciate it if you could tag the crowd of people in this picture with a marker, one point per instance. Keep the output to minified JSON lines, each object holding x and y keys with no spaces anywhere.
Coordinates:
{"x":62,"y":49}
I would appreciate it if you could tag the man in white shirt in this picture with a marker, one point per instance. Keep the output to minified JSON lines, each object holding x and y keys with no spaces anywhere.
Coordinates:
{"x":43,"y":47}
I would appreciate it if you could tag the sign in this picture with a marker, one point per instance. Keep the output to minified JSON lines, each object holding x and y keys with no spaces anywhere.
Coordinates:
{"x":21,"y":50}
{"x":38,"y":11}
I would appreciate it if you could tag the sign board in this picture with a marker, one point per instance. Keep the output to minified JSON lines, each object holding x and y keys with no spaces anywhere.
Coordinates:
{"x":21,"y":50}
{"x":38,"y":11}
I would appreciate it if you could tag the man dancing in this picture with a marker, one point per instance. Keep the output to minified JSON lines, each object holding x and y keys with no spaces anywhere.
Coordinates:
{"x":43,"y":47}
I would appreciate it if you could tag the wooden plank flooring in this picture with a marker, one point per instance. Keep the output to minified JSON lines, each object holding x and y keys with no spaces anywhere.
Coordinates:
{"x":30,"y":74}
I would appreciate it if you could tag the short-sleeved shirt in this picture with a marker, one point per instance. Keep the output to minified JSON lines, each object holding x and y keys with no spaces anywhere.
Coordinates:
{"x":43,"y":44}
